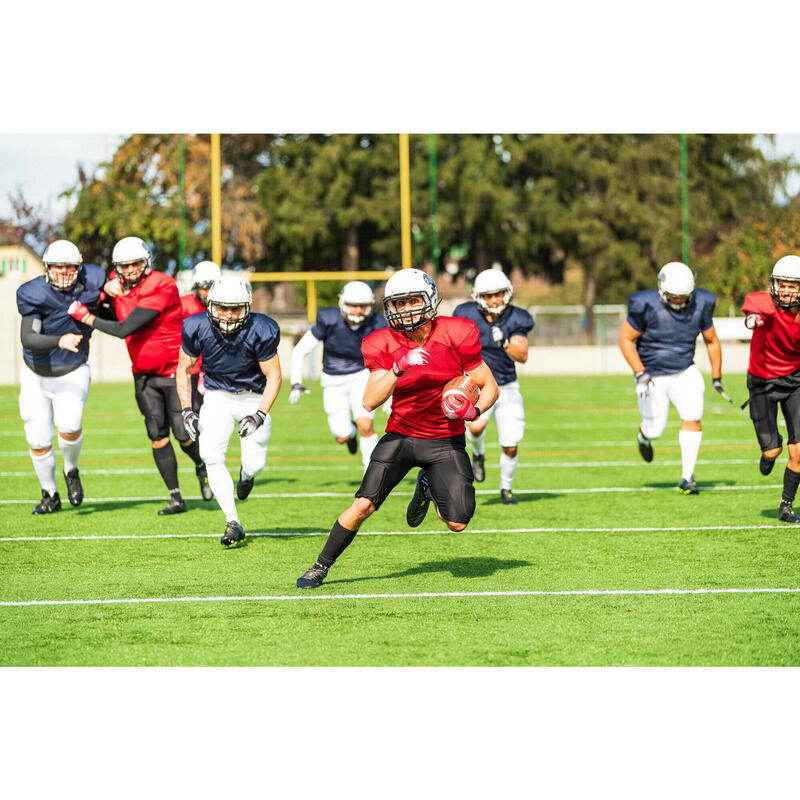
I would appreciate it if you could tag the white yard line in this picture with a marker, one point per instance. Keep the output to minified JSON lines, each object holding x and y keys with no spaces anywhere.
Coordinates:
{"x":405,"y":595}
{"x":409,"y":532}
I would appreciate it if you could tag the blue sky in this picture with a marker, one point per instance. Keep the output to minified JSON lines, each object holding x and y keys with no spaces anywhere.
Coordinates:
{"x":43,"y":165}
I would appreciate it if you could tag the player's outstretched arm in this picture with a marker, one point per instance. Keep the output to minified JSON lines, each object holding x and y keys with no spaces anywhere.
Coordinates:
{"x":138,"y":318}
{"x":715,"y":359}
{"x":482,"y":375}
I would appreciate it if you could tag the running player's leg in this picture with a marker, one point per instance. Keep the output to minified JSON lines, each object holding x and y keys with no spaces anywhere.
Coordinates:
{"x":69,"y":394}
{"x":653,"y":410}
{"x":191,"y":448}
{"x":791,"y":476}
{"x":686,"y":394}
{"x":447,"y":466}
{"x":336,"y":405}
{"x":253,"y":447}
{"x":476,"y":436}
{"x":509,"y":416}
{"x":36,"y":411}
{"x":362,"y":417}
{"x":215,"y":426}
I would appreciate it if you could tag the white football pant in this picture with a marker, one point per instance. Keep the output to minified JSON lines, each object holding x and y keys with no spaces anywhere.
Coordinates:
{"x":44,"y":402}
{"x":683,"y":389}
{"x":509,"y":415}
{"x":342,"y":398}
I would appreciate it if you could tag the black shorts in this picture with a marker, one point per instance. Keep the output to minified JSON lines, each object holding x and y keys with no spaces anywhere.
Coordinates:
{"x":157,"y":398}
{"x":765,"y":396}
{"x":445,"y":462}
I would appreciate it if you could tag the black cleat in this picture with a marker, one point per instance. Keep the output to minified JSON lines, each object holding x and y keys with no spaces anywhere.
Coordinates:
{"x":478,"y":469}
{"x":645,"y":450}
{"x":74,"y":487}
{"x":312,"y":578}
{"x":688,"y":487}
{"x":507,"y":496}
{"x":352,"y":443}
{"x":418,"y":507}
{"x":766,"y":464}
{"x":177,"y":505}
{"x":48,"y":504}
{"x":786,"y":513}
{"x":202,"y":479}
{"x":234,"y":533}
{"x":244,"y":487}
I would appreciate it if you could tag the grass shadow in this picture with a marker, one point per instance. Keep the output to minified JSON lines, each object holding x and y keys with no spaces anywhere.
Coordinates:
{"x":520,"y":498}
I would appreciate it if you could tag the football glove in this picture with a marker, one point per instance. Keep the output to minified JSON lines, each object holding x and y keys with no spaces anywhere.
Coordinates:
{"x":717,"y":384}
{"x":298,"y":390}
{"x":456,"y":406}
{"x":412,"y":358}
{"x":752,"y":321}
{"x":251,"y":423}
{"x":499,"y":337}
{"x":79,"y":311}
{"x":201,"y":383}
{"x":190,"y":420}
{"x":644,"y":383}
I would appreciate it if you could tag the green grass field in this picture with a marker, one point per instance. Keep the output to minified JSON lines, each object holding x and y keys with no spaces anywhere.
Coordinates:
{"x":572,"y":575}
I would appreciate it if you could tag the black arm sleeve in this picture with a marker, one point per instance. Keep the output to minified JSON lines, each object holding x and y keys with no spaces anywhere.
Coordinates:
{"x":105,"y":310}
{"x":33,"y":339}
{"x":138,"y":318}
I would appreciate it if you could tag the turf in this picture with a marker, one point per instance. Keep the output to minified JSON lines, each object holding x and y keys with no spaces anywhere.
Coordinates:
{"x":594,"y":517}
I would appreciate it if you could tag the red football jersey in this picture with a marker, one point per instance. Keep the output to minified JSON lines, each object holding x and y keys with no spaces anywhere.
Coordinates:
{"x":191,"y":305}
{"x":154,"y":348}
{"x":775,"y":346}
{"x":454,"y":347}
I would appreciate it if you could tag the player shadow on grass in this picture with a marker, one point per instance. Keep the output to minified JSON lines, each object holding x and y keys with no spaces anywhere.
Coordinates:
{"x":701,"y":484}
{"x":521,"y":498}
{"x":88,"y":507}
{"x":473,"y":567}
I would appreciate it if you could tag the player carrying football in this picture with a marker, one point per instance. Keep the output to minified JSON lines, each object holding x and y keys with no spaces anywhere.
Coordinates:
{"x":344,"y":376}
{"x":243,"y":377}
{"x":773,"y":374}
{"x":54,"y":378}
{"x":503,"y":330}
{"x":658,"y":341}
{"x":411,"y":361}
{"x":148,"y":314}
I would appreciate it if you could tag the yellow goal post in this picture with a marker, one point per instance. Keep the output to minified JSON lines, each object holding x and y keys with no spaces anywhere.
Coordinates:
{"x":311,"y":279}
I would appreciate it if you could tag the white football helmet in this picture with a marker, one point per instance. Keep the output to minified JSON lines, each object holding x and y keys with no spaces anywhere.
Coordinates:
{"x":491,"y":281}
{"x":204,"y":274}
{"x":229,"y":292}
{"x":410,"y":282}
{"x":62,"y":253}
{"x":130,"y":250}
{"x":675,"y":280}
{"x":356,"y":293}
{"x":785,"y":269}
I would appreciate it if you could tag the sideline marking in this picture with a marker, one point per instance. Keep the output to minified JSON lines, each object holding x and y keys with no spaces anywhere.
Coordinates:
{"x":530,"y":593}
{"x":289,"y":534}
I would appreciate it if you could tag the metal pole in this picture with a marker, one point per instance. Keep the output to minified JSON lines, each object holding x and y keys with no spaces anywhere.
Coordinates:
{"x":182,"y":204}
{"x":405,"y":202}
{"x":435,"y":252}
{"x":216,"y":200}
{"x":684,"y":200}
{"x":311,"y":301}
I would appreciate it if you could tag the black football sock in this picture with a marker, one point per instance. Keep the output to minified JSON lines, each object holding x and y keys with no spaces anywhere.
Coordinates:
{"x":167,"y":465}
{"x":193,"y":451}
{"x":338,"y":539}
{"x":791,"y":480}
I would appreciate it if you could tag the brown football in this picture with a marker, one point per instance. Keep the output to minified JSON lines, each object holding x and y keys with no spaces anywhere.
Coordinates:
{"x":463,"y":385}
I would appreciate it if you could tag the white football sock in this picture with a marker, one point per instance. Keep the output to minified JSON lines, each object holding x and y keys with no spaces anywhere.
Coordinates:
{"x":71,"y":451}
{"x":641,"y":438}
{"x":367,"y":445}
{"x":690,"y":447}
{"x":221,"y":483}
{"x":476,"y":442}
{"x":508,"y":466}
{"x":45,"y":467}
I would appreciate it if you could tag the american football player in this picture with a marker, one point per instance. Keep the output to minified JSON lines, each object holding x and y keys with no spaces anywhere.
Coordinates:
{"x":243,"y":376}
{"x":411,"y":360}
{"x":658,"y":341}
{"x":344,"y":376}
{"x":54,"y":377}
{"x":773,"y":374}
{"x":503,"y":330}
{"x":147,"y":311}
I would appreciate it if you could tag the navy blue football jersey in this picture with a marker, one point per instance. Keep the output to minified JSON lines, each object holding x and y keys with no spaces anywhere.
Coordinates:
{"x":514,"y":321}
{"x":38,"y":299}
{"x":341,"y":349}
{"x":231,"y":362}
{"x":668,"y":338}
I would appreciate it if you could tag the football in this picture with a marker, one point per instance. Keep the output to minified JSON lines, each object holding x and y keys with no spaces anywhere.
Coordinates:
{"x":463,"y":385}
